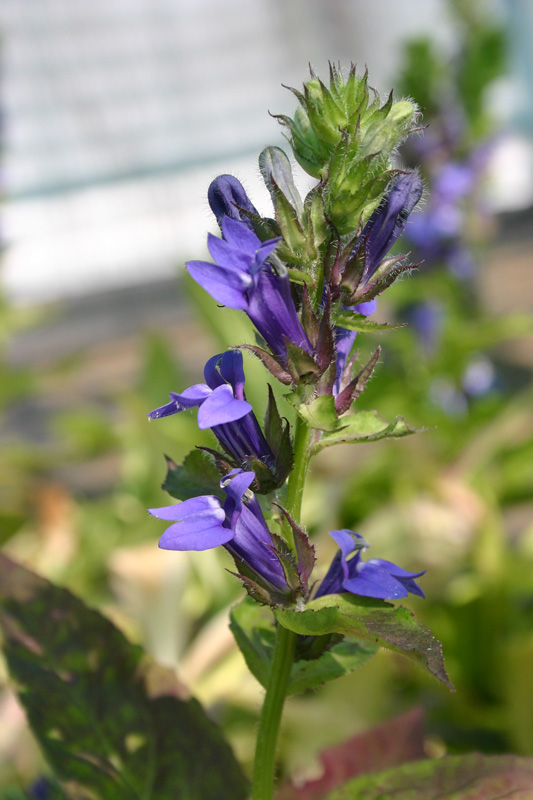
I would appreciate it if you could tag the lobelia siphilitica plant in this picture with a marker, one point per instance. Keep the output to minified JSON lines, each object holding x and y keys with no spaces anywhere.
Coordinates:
{"x":309,"y":279}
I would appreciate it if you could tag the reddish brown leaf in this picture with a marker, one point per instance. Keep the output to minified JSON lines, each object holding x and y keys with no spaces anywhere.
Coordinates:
{"x":388,"y":745}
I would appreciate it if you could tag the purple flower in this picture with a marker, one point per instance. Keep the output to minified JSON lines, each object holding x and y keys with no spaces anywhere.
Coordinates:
{"x":374,"y":578}
{"x":227,"y":198}
{"x":454,"y":181}
{"x":202,"y":523}
{"x":242,"y":279}
{"x":344,"y":340}
{"x":388,"y":221}
{"x":379,"y":234}
{"x":223,"y":408}
{"x":427,"y":321}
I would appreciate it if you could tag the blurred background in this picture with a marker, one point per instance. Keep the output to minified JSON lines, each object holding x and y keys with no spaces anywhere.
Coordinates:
{"x":115,"y":118}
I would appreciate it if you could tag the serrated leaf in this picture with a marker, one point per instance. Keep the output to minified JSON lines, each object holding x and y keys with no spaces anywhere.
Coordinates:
{"x":374,"y":621}
{"x":356,"y":387}
{"x":305,"y":551}
{"x":363,"y":426}
{"x":273,"y":425}
{"x":196,"y":476}
{"x":271,"y":363}
{"x":254,"y":631}
{"x":472,"y":776}
{"x":111,"y":724}
{"x":309,"y":319}
{"x":361,"y":323}
{"x":319,"y":413}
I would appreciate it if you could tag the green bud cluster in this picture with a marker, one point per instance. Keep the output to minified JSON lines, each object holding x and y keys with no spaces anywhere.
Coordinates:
{"x":345,"y":137}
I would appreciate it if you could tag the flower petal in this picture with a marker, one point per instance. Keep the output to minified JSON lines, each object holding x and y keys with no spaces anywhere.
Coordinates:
{"x":221,"y":407}
{"x":238,"y":235}
{"x":198,"y":524}
{"x":212,"y":376}
{"x":407,"y":579}
{"x":226,"y":255}
{"x":349,"y":542}
{"x":193,"y":396}
{"x":195,"y":505}
{"x":232,"y":371}
{"x":265,"y":250}
{"x":373,"y":580}
{"x":226,"y":197}
{"x":199,"y":532}
{"x":226,"y":286}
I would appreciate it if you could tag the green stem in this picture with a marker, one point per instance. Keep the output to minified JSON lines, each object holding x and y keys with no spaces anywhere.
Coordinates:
{"x":267,"y":734}
{"x":282,"y":660}
{"x":295,"y":487}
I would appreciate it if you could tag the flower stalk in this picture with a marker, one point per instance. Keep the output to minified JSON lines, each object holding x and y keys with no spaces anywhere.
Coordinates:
{"x":307,"y":279}
{"x":269,"y":722}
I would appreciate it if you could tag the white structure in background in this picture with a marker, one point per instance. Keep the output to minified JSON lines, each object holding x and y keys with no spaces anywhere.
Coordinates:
{"x":118,"y":114}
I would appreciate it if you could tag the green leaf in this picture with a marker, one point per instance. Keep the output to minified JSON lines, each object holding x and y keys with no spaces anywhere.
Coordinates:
{"x":302,"y":367}
{"x":111,"y":724}
{"x":299,"y":276}
{"x":361,"y":323}
{"x":364,"y":426}
{"x":276,"y":170}
{"x":253,"y":628}
{"x":449,"y":778}
{"x":319,"y":414}
{"x":195,"y":477}
{"x":374,"y":621}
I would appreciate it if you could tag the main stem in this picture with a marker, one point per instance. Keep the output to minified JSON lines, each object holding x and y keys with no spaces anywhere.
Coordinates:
{"x":282,"y":660}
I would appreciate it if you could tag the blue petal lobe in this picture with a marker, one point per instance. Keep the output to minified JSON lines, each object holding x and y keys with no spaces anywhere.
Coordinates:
{"x":373,"y":580}
{"x":232,"y":371}
{"x":226,"y":286}
{"x":199,"y":532}
{"x":195,"y":505}
{"x":239,"y":235}
{"x":221,"y":407}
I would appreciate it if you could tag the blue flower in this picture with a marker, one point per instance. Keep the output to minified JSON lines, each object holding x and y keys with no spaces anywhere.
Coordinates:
{"x":374,"y":578}
{"x":388,"y":221}
{"x":379,"y":234}
{"x":227,"y":198}
{"x":344,"y":341}
{"x":223,"y":408}
{"x":242,"y":279}
{"x":237,"y":524}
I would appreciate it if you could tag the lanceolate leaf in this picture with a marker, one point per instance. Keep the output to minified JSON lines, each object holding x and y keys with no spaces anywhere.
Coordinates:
{"x":361,"y":323}
{"x":363,"y":426}
{"x":471,"y":777}
{"x":319,"y":413}
{"x":368,"y":620}
{"x":111,"y":724}
{"x":196,"y":476}
{"x":254,"y":631}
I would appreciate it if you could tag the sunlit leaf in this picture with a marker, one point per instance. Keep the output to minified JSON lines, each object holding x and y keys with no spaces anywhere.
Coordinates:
{"x":361,"y":323}
{"x":374,"y":621}
{"x":254,"y":631}
{"x":363,"y":426}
